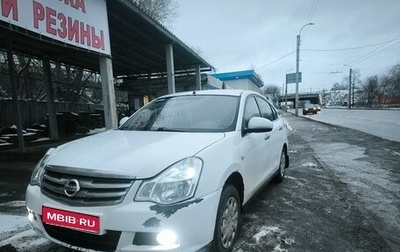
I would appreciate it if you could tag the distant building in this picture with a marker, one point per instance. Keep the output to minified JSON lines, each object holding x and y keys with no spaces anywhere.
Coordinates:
{"x":247,"y":80}
{"x":210,"y":82}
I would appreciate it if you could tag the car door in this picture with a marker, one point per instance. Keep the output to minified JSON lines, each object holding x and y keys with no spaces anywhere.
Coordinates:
{"x":253,"y":150}
{"x":275,"y":137}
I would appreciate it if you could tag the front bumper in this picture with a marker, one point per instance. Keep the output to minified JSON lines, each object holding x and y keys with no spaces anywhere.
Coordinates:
{"x":131,"y":226}
{"x":306,"y":111}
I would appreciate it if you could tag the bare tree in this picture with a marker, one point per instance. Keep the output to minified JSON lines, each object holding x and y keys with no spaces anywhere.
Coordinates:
{"x":390,"y":85}
{"x":339,"y":86}
{"x":163,"y":11}
{"x":371,"y":90}
{"x":271,"y":91}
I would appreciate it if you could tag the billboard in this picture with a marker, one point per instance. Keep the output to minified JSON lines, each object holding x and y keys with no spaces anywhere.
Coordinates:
{"x":81,"y":23}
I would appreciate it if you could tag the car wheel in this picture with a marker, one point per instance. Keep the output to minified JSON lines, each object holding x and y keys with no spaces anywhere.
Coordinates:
{"x":281,"y":171}
{"x":228,"y":220}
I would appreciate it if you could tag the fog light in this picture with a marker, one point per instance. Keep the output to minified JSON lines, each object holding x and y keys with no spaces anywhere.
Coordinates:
{"x":167,"y":238}
{"x":31,"y":216}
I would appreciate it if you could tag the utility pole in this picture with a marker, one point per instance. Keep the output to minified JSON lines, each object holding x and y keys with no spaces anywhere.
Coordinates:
{"x":297,"y":68}
{"x":354,"y":87}
{"x":349,"y":102}
{"x":297,"y":73}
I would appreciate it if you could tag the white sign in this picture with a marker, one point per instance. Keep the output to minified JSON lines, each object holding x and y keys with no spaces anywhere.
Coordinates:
{"x":82,"y":23}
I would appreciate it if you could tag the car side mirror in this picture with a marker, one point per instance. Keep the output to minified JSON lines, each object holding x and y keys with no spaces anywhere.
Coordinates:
{"x":258,"y":124}
{"x":123,"y":120}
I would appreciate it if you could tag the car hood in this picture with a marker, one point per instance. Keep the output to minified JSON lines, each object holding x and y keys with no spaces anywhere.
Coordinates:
{"x":141,"y":154}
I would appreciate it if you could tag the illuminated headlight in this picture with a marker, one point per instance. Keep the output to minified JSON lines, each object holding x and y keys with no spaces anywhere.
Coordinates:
{"x":177,"y":183}
{"x":37,"y":173}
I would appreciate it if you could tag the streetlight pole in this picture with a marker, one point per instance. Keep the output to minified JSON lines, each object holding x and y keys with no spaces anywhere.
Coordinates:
{"x":297,"y":68}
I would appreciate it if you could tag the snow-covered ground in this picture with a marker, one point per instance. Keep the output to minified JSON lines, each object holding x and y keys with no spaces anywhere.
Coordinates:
{"x":15,"y":230}
{"x":12,"y":222}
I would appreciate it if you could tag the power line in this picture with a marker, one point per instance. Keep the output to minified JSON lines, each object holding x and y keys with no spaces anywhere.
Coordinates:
{"x":350,"y":48}
{"x":373,"y":52}
{"x":312,"y":10}
{"x":287,"y":55}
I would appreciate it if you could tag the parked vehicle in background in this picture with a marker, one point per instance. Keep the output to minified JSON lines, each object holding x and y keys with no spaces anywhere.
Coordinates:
{"x":173,"y":177}
{"x":309,"y":108}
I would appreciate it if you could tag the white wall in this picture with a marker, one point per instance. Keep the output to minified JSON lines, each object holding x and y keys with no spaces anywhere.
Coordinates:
{"x":244,"y":84}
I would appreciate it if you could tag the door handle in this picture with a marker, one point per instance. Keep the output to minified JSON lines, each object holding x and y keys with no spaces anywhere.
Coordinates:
{"x":266,"y":137}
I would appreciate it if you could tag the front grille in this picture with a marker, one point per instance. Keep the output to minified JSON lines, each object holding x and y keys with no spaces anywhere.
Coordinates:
{"x":106,"y":242}
{"x":95,"y":189}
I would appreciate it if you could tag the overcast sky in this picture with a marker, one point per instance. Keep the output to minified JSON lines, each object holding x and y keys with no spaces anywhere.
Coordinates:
{"x":235,"y":35}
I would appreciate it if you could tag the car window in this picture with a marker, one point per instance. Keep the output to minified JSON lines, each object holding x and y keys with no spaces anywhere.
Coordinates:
{"x":266,"y":110}
{"x":191,"y":113}
{"x":250,"y":110}
{"x":274,"y":112}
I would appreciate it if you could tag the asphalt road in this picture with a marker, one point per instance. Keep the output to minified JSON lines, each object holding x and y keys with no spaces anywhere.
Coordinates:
{"x":382,"y":123}
{"x":341,"y":193}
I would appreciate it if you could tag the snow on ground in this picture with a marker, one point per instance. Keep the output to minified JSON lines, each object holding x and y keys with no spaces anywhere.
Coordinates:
{"x":16,"y":231}
{"x":12,"y":222}
{"x":273,"y":234}
{"x":14,"y":204}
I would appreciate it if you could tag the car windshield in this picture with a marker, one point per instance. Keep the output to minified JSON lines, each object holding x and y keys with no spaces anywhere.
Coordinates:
{"x":194,"y":113}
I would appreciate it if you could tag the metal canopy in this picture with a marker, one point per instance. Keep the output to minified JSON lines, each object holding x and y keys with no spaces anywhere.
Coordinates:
{"x":137,"y":44}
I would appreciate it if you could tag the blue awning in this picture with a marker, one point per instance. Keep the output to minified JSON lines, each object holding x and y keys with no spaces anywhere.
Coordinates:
{"x":247,"y":74}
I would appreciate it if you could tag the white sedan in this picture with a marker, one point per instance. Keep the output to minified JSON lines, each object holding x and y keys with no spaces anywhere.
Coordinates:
{"x":173,"y":177}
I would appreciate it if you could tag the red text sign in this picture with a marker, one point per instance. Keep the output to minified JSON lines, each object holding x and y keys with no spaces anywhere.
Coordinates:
{"x":71,"y":220}
{"x":81,"y":23}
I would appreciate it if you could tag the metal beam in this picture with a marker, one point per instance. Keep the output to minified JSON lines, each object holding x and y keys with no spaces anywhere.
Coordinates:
{"x":198,"y":78}
{"x":170,"y":68}
{"x":13,"y":81}
{"x":48,"y":86}
{"x":107,"y":83}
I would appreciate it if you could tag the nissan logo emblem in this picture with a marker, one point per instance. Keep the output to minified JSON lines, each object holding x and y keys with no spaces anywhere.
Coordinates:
{"x":71,"y":188}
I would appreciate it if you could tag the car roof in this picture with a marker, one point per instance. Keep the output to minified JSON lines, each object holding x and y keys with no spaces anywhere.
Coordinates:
{"x":229,"y":92}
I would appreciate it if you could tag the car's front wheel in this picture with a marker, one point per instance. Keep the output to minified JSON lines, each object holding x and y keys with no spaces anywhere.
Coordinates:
{"x":228,"y":220}
{"x":282,"y":164}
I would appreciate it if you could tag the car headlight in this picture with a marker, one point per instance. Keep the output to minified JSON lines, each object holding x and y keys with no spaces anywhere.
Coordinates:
{"x":177,"y":183}
{"x":38,"y":172}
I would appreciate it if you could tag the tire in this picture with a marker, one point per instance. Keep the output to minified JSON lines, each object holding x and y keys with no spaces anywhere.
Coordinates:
{"x":281,"y":171}
{"x":228,"y":220}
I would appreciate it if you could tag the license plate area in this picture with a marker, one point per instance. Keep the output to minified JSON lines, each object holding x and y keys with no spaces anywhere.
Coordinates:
{"x":71,"y":220}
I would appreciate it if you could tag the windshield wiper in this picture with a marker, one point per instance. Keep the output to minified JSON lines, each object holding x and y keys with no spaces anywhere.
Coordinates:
{"x":167,"y":129}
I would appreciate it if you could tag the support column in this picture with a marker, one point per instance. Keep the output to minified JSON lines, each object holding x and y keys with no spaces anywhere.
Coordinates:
{"x":198,"y":78}
{"x":170,"y":68}
{"x":15,"y":99}
{"x":349,"y":102}
{"x":107,"y":83}
{"x":48,"y":86}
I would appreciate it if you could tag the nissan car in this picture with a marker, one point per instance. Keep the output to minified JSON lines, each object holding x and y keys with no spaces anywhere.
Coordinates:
{"x":174,"y":176}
